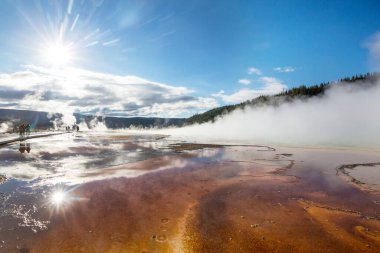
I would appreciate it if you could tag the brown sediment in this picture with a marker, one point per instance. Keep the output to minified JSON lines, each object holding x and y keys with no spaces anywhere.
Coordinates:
{"x":268,"y":148}
{"x":283,"y":170}
{"x":287,"y":155}
{"x":308,"y":203}
{"x":237,"y":200}
{"x":178,"y":147}
{"x":373,"y":235}
{"x":243,"y":221}
{"x":192,"y":146}
{"x":349,"y":228}
{"x":161,"y":137}
{"x":178,"y":245}
{"x":272,"y":224}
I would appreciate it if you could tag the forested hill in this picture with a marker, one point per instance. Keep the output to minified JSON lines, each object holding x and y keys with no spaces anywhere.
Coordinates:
{"x":301,"y":92}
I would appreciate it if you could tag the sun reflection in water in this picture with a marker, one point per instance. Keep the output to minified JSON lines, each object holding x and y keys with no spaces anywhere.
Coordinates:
{"x":58,"y":198}
{"x":62,"y":199}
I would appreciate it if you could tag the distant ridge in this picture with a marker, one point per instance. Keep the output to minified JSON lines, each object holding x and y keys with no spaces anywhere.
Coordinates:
{"x":44,"y":120}
{"x":301,"y":92}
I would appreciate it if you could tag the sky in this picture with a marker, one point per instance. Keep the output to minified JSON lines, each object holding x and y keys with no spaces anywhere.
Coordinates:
{"x":171,"y":58}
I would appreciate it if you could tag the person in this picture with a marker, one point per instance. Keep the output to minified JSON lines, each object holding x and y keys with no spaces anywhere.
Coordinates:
{"x":77,"y":128}
{"x":28,"y":129}
{"x":21,"y":130}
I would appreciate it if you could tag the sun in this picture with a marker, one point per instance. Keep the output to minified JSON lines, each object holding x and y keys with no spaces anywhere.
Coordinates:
{"x":58,"y":54}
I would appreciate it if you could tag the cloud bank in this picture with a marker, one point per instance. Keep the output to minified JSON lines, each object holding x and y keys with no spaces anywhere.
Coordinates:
{"x":71,"y":90}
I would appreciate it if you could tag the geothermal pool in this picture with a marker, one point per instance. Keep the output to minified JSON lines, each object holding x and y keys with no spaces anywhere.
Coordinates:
{"x":117,"y":192}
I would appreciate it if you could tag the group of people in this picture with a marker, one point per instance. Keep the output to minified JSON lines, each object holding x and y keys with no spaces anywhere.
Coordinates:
{"x":73,"y":128}
{"x":24,"y":130}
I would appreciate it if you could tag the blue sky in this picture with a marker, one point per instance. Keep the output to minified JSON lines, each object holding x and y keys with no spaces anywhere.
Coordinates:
{"x":205,"y":47}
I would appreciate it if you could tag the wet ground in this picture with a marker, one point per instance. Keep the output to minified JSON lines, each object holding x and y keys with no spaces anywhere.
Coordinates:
{"x":112,"y":192}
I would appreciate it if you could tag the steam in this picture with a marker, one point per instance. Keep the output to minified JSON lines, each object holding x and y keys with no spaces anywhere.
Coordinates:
{"x":67,"y":118}
{"x":347,"y":115}
{"x":97,"y":125}
{"x":62,"y":119}
{"x":5,"y":126}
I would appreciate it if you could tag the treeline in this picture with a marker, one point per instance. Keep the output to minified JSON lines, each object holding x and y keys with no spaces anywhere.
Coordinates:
{"x":301,"y":92}
{"x":138,"y":122}
{"x":44,"y":120}
{"x":211,"y":114}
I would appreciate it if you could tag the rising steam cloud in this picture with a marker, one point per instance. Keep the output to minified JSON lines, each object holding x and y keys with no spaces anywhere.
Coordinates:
{"x":5,"y":126}
{"x":347,"y":115}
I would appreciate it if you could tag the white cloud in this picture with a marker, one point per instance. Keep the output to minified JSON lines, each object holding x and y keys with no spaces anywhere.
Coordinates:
{"x":270,"y":86}
{"x":72,"y":89}
{"x":373,"y":45}
{"x":244,"y":81}
{"x":237,"y":97}
{"x":285,"y":69}
{"x":253,"y":70}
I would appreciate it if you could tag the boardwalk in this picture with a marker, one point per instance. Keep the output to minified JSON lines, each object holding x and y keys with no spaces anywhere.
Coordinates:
{"x":15,"y":138}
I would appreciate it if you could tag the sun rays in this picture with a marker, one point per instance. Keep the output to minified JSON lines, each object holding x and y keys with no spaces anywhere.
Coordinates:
{"x":64,"y":33}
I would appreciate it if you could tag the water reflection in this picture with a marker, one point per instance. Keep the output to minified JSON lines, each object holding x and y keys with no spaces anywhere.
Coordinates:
{"x":24,"y":147}
{"x":75,"y":159}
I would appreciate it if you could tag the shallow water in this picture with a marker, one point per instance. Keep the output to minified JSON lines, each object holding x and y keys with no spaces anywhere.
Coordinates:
{"x":368,"y":175}
{"x":125,"y":193}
